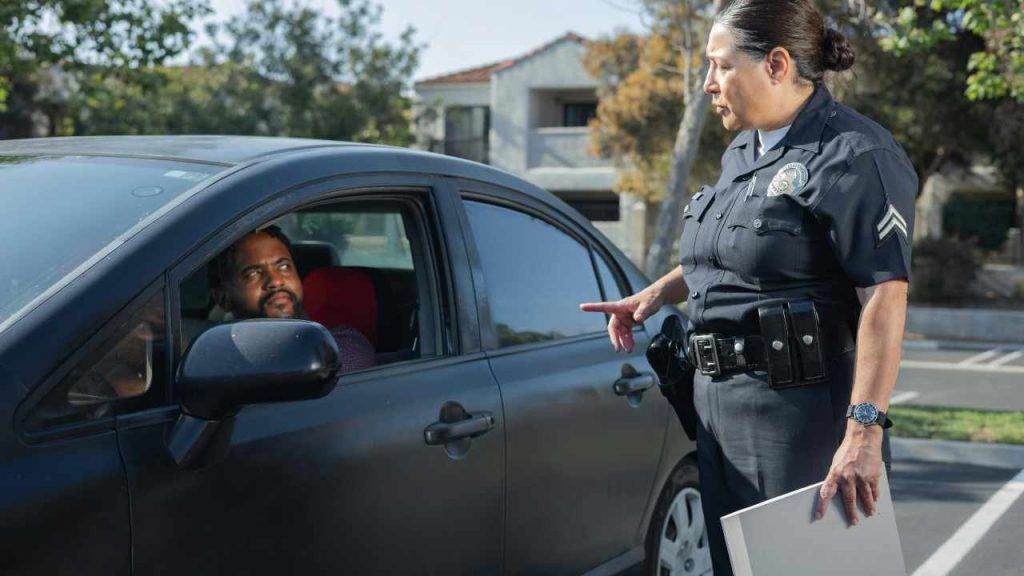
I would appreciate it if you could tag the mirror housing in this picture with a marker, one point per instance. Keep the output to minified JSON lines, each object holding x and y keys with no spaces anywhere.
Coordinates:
{"x":254,"y":362}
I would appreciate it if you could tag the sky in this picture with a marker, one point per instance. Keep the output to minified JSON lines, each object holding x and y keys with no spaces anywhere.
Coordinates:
{"x":465,"y":33}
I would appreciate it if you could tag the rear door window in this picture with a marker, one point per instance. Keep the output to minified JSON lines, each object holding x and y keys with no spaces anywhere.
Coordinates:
{"x":536,"y":276}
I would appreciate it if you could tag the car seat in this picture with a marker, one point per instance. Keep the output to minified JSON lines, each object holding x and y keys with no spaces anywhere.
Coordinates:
{"x":335,"y":295}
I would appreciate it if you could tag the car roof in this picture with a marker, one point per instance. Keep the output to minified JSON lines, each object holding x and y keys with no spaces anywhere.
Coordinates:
{"x":230,"y":151}
{"x":209,"y":149}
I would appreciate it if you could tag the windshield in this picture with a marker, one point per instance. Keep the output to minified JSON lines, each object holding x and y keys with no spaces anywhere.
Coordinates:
{"x":62,"y":210}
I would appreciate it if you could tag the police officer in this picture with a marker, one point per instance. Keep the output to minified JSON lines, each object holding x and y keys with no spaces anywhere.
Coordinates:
{"x":794,"y":266}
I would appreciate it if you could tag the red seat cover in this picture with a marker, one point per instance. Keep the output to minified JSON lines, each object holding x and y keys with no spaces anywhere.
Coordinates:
{"x":334,"y":295}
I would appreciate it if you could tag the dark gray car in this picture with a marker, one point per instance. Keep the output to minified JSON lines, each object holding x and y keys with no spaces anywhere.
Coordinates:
{"x":148,"y":433}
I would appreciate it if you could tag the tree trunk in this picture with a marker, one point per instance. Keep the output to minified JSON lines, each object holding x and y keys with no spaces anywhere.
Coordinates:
{"x":684,"y":152}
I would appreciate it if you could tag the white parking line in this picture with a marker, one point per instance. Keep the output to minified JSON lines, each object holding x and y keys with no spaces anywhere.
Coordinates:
{"x":943,"y":560}
{"x":903,"y":397}
{"x":978,"y":358}
{"x":1007,"y":359}
{"x":976,"y":368}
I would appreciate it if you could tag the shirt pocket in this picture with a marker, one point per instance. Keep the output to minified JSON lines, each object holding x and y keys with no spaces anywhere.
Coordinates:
{"x":769,"y":241}
{"x":693,"y":215}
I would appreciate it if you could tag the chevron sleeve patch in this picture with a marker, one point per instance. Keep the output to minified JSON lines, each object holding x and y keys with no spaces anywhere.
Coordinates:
{"x":893,"y":222}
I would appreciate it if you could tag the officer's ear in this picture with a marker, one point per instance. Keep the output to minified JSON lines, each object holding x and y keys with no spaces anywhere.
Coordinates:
{"x":780,"y":65}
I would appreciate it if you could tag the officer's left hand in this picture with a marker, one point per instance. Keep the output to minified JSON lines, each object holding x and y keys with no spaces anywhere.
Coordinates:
{"x":856,"y":471}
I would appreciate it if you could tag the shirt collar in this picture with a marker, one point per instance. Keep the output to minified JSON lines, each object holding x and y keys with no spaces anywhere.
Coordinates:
{"x":805,"y":132}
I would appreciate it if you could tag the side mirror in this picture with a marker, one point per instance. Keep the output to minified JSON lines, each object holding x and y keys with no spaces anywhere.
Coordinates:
{"x":250,"y":362}
{"x":255,"y":362}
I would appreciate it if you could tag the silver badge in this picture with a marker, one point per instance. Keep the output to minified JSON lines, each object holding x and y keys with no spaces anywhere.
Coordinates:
{"x":790,"y":179}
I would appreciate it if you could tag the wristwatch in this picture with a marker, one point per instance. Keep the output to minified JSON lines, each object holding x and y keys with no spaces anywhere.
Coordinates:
{"x":867,"y":414}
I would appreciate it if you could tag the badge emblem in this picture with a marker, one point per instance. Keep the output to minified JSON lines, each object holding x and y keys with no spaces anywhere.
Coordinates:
{"x":790,"y":179}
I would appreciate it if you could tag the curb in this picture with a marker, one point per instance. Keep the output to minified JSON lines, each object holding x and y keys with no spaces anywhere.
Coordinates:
{"x":956,"y":345}
{"x":1006,"y":456}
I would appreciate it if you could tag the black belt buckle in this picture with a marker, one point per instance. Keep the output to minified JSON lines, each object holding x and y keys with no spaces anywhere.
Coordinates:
{"x":705,"y":353}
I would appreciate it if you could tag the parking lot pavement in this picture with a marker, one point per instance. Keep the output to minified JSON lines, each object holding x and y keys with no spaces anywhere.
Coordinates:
{"x":933,"y":501}
{"x":989,"y":378}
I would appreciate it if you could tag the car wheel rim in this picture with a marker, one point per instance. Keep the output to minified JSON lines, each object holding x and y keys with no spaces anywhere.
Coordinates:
{"x":683,"y":549}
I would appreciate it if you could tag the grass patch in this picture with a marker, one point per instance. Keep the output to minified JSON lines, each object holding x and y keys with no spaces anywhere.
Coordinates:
{"x":958,"y":424}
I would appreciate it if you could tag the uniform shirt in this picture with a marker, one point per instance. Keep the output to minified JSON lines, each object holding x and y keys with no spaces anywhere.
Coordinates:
{"x":768,"y":140}
{"x":827,"y":210}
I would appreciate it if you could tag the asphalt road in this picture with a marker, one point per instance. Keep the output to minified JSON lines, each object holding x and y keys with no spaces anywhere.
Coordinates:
{"x":991,"y":379}
{"x":932,"y":501}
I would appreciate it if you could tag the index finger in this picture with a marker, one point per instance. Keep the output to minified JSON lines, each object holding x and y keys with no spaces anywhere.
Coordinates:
{"x":606,"y":307}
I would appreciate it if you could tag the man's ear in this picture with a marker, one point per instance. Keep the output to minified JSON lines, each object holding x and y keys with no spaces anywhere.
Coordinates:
{"x":780,"y":65}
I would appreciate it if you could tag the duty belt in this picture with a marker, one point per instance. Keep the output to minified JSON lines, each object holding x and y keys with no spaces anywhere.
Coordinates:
{"x":717,"y":354}
{"x":789,"y":347}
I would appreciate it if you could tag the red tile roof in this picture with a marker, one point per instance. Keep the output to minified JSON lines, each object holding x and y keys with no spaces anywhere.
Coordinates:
{"x":484,"y":73}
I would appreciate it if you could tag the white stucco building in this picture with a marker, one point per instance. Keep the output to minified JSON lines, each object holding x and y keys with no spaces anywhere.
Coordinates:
{"x":528,"y":115}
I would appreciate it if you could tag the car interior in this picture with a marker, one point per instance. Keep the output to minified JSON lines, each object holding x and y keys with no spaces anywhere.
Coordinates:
{"x":362,"y":264}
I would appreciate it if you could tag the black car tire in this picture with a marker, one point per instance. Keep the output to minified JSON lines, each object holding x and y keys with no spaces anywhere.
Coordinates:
{"x":677,"y":542}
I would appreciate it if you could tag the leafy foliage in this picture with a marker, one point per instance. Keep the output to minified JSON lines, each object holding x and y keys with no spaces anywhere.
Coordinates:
{"x":997,"y":69}
{"x":643,"y":81}
{"x":125,"y":35}
{"x":276,"y":70}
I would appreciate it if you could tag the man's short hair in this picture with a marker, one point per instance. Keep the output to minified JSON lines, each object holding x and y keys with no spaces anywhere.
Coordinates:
{"x":222,"y":267}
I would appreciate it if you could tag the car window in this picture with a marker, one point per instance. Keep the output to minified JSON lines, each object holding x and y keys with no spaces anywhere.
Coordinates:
{"x":121,"y":373}
{"x":362,"y":273}
{"x":376,"y":239}
{"x":70,"y":208}
{"x":536,"y":276}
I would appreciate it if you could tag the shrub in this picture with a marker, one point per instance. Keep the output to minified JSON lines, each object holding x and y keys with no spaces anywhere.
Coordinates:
{"x":943,"y":268}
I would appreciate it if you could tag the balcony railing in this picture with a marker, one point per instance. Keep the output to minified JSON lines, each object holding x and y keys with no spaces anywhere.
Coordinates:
{"x":561,"y":148}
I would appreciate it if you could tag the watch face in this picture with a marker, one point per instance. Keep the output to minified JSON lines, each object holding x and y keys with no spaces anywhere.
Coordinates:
{"x":865,"y":413}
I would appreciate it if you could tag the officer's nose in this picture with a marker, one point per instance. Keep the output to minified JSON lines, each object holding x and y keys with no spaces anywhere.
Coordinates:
{"x":710,"y":87}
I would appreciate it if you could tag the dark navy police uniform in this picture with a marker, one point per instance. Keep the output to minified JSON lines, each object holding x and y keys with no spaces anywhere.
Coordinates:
{"x":827,"y":210}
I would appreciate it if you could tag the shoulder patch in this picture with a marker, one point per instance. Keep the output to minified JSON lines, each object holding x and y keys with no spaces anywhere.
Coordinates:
{"x":892,"y":222}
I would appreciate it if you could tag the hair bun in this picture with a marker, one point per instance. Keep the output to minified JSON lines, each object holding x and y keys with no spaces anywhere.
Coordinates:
{"x":838,"y":53}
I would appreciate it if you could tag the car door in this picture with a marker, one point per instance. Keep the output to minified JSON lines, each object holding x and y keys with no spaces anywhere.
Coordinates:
{"x":585,"y":425}
{"x":350,"y":483}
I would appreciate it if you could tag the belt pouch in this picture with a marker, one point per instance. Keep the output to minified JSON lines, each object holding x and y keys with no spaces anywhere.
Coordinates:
{"x":775,"y":332}
{"x":809,"y":347}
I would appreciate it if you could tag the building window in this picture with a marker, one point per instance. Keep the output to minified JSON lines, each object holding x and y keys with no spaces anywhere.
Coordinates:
{"x":578,"y":113}
{"x":594,"y":206}
{"x":465,"y":132}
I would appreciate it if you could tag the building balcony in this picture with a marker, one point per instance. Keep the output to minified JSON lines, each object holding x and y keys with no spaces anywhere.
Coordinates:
{"x":561,"y":148}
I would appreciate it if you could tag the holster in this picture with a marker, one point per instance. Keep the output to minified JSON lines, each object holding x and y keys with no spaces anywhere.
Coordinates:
{"x":667,"y":356}
{"x":793,"y":342}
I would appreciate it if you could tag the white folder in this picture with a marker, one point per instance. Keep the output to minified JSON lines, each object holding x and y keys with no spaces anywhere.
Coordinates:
{"x":779,"y":537}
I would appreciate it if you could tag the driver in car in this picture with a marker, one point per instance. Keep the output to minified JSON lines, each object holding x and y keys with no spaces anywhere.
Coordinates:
{"x":256,"y":278}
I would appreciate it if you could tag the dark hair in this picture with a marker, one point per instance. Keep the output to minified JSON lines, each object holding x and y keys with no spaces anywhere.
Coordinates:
{"x":223,"y":266}
{"x":758,"y":26}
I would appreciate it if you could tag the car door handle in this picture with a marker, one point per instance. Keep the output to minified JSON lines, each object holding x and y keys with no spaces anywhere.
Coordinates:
{"x":633,"y":384}
{"x":444,"y":432}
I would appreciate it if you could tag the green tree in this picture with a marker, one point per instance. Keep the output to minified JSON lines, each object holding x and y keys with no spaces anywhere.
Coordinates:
{"x":996,"y":68}
{"x":40,"y":40}
{"x":276,"y":70}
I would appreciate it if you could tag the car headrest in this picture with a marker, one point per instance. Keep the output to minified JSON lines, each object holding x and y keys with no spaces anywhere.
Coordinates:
{"x":312,"y":254}
{"x":334,"y":295}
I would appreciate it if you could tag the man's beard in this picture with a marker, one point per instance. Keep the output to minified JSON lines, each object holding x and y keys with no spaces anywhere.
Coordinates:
{"x":262,"y":311}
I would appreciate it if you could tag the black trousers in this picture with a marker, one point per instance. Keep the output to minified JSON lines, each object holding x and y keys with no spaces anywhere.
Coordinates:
{"x":755,"y":443}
